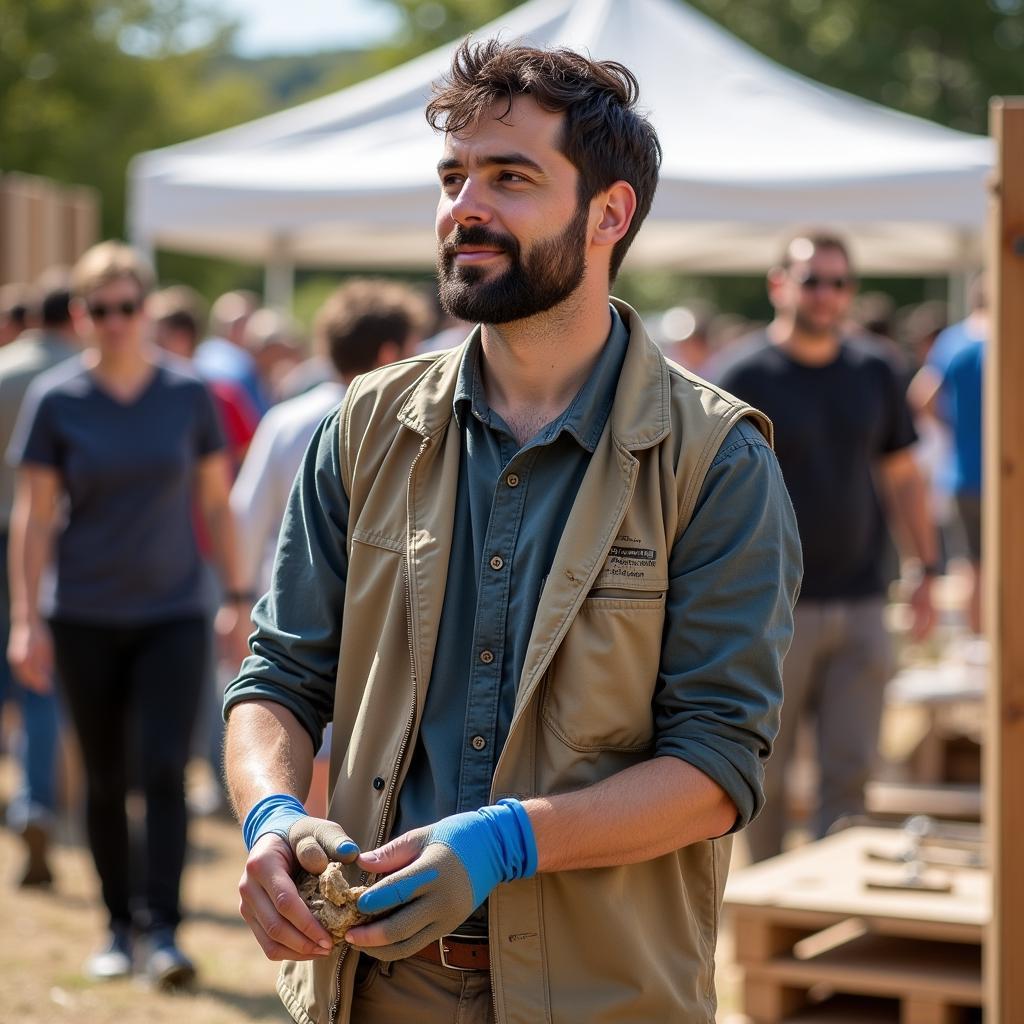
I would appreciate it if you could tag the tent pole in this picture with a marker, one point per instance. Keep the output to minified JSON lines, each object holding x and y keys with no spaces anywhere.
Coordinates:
{"x":279,"y":276}
{"x":956,"y":295}
{"x":958,"y":283}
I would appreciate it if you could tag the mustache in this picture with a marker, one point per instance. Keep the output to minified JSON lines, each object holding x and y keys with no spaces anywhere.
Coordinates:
{"x":476,"y":234}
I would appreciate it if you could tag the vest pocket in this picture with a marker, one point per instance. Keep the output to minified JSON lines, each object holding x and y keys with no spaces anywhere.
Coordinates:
{"x":599,"y":688}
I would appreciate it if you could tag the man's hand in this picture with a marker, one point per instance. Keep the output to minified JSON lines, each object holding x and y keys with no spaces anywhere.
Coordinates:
{"x":270,"y":902}
{"x":923,"y":609}
{"x":438,"y":875}
{"x":273,"y":908}
{"x":232,"y":628}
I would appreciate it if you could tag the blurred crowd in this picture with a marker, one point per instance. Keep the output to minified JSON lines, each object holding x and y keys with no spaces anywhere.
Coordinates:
{"x":150,"y":449}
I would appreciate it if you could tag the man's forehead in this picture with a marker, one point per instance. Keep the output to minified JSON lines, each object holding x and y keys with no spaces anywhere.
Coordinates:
{"x":822,"y":257}
{"x":522,"y":127}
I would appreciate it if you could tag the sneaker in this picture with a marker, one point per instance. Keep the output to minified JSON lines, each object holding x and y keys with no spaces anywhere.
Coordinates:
{"x":166,"y":966}
{"x":115,"y":959}
{"x":37,"y":868}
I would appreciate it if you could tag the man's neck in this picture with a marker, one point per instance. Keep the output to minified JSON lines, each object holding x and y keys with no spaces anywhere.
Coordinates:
{"x":807,"y":347}
{"x":533,"y":368}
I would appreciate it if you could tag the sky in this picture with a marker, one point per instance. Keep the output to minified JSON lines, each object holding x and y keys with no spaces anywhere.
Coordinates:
{"x":299,"y":26}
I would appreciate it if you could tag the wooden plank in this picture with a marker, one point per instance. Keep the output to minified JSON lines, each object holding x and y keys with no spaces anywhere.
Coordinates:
{"x":1004,"y":563}
{"x":759,"y":939}
{"x":828,"y":877}
{"x":16,"y":264}
{"x":922,"y":1010}
{"x":846,"y":1009}
{"x":902,"y":799}
{"x":880,"y":966}
{"x":768,"y":1002}
{"x":813,"y":921}
{"x":81,"y":221}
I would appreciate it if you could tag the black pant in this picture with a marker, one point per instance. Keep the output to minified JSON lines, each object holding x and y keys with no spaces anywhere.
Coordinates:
{"x":134,"y":690}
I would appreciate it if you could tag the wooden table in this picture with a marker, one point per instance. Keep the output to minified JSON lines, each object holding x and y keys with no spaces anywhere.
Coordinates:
{"x":808,"y":927}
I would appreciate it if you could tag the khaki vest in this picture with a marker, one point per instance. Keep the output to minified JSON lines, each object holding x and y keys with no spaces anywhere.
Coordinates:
{"x":631,"y":943}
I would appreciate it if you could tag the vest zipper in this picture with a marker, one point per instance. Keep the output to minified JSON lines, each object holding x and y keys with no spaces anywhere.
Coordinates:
{"x":383,"y":828}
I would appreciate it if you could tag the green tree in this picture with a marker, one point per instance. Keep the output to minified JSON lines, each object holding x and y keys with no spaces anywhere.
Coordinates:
{"x":87,"y":84}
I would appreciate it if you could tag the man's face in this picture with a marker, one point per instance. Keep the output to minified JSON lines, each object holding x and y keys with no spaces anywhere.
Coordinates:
{"x":817,"y":291}
{"x":512,"y":237}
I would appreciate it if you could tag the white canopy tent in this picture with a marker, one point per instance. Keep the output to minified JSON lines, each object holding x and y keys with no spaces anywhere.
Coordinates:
{"x":750,"y":150}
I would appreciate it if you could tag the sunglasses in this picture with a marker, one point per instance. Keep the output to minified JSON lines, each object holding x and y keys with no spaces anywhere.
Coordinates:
{"x":812,"y":282}
{"x":99,"y":311}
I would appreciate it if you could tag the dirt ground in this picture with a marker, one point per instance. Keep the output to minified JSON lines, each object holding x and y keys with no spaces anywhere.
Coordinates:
{"x":46,"y":937}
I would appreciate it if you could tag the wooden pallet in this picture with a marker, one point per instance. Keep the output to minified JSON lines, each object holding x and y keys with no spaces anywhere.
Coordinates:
{"x":808,"y":926}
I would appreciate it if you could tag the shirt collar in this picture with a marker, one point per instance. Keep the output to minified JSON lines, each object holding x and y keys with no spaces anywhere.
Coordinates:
{"x":585,"y":416}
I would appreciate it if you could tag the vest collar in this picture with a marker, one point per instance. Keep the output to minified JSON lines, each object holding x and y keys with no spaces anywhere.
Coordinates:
{"x":639,"y":416}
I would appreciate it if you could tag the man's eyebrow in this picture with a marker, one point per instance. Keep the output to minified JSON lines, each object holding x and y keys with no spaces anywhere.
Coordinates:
{"x":502,"y":159}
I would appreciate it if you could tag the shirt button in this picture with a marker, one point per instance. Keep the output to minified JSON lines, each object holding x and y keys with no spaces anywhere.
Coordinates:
{"x":479,"y":742}
{"x":497,"y":562}
{"x":512,"y":480}
{"x":486,"y":657}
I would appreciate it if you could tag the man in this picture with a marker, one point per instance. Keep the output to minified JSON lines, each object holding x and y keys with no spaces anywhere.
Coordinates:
{"x":224,"y":355}
{"x":177,"y":317}
{"x":840,"y":420}
{"x":15,"y":302}
{"x":542,"y":585}
{"x":37,"y":349}
{"x":947,"y":389}
{"x":362,"y":325}
{"x":958,"y":400}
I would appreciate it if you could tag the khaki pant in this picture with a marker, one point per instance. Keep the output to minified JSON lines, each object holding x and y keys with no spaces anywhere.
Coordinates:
{"x":835,"y":672}
{"x":414,"y":991}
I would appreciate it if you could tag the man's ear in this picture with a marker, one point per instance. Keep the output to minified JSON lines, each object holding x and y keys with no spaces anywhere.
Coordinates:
{"x":774,"y":280}
{"x":616,"y":205}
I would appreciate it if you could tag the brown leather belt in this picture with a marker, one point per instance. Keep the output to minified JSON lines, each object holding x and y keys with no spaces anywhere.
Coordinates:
{"x":458,"y":952}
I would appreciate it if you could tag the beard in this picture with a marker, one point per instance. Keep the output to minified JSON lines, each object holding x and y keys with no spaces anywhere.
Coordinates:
{"x":822,"y":327}
{"x":548,"y":274}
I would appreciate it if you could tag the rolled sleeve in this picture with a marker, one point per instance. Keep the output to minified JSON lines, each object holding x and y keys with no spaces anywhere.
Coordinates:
{"x":294,"y":660}
{"x":734,"y":578}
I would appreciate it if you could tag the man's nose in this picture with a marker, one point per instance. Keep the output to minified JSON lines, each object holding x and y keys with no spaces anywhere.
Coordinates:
{"x":469,"y":206}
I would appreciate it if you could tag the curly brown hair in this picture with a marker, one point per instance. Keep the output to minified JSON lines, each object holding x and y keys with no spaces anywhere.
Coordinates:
{"x":358,"y":317}
{"x":604,"y":136}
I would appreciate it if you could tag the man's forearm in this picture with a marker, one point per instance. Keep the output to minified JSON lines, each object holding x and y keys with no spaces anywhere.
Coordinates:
{"x":908,"y":502}
{"x":640,"y":813}
{"x":266,"y":751}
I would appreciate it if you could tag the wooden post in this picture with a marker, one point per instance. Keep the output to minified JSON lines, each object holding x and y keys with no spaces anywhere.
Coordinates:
{"x":1004,"y":567}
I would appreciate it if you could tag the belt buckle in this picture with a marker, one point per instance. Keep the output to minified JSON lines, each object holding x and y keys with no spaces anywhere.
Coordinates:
{"x":442,"y":950}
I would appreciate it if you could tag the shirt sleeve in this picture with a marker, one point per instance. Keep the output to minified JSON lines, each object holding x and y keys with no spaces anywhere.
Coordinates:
{"x":734,"y":576}
{"x":294,"y":658}
{"x":209,"y":432}
{"x":35,"y":439}
{"x":257,"y":498}
{"x":900,"y":432}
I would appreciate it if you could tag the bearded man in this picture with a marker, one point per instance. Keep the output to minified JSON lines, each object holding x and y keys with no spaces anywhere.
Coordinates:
{"x":542,"y":585}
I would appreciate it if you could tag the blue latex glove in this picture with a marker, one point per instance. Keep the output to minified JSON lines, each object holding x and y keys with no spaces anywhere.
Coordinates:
{"x":437,"y":876}
{"x":315,"y":841}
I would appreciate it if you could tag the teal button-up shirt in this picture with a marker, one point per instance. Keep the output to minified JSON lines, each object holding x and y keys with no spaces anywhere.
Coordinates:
{"x":510,"y":510}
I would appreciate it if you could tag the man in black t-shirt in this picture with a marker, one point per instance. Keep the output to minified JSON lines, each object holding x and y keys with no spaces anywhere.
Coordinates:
{"x":843,"y":432}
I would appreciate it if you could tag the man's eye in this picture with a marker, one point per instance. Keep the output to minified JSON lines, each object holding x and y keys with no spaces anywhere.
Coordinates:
{"x":512,"y":176}
{"x":451,"y":180}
